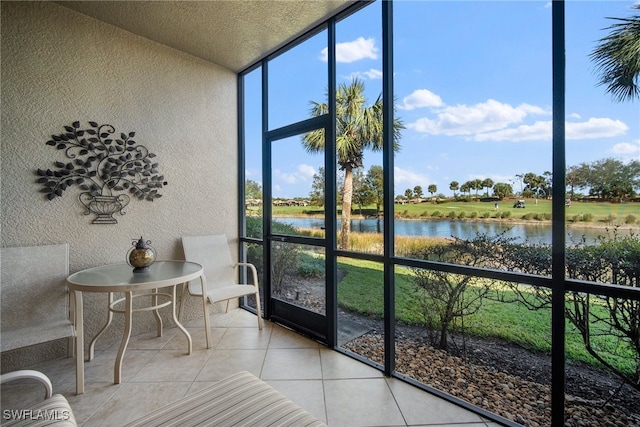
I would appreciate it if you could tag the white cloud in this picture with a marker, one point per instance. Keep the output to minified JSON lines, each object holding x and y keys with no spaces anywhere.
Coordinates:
{"x":421,"y":98}
{"x":306,"y":171}
{"x":356,"y":50}
{"x":303,"y":173}
{"x":250,"y":173}
{"x":542,"y":131}
{"x":497,"y":121}
{"x":404,"y":179}
{"x":501,"y":178}
{"x":372,"y":74}
{"x":287,"y":178}
{"x":539,"y":131}
{"x":487,"y":116}
{"x":534,"y":110}
{"x":595,"y":127}
{"x":626,"y":148}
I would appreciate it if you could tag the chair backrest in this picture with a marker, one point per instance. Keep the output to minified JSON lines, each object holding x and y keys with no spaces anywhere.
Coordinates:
{"x":34,"y":292}
{"x":212,"y":252}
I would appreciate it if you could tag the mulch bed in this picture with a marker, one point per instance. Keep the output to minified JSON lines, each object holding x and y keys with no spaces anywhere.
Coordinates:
{"x":493,"y":374}
{"x":511,"y":396}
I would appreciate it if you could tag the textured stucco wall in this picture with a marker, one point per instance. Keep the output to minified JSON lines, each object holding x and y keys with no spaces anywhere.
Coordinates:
{"x":59,"y":66}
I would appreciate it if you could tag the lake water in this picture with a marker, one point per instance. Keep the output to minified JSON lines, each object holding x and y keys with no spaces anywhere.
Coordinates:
{"x":530,"y":233}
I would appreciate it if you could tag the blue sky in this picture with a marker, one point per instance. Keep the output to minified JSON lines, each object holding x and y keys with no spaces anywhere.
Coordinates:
{"x":472,"y":81}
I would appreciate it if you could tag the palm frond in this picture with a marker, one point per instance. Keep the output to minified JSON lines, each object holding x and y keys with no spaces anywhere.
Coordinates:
{"x":617,"y":58}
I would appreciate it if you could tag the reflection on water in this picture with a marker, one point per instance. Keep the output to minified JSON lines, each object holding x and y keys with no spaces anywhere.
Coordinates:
{"x":530,"y":233}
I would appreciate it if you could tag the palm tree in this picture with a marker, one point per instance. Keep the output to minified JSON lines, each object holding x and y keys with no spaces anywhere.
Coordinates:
{"x":453,"y":187}
{"x":358,"y":127}
{"x":432,"y":189}
{"x":487,"y":183}
{"x":466,"y":188}
{"x":617,"y":58}
{"x":476,"y":184}
{"x":417,"y":191}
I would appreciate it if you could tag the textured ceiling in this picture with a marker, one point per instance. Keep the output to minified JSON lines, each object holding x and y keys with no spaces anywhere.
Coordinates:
{"x":230,"y":33}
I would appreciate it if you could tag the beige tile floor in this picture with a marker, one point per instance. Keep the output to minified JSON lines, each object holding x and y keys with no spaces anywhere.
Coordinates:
{"x":335,"y":388}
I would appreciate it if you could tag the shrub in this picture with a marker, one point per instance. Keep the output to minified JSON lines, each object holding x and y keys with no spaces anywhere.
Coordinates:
{"x":445,"y":299}
{"x":254,"y":226}
{"x":413,"y":246}
{"x":582,"y":217}
{"x":473,"y":214}
{"x":486,"y":215}
{"x":462,"y":215}
{"x":284,"y":257}
{"x":436,"y":214}
{"x":541,"y":216}
{"x":527,"y":216}
{"x":284,"y":260}
{"x":451,"y":215}
{"x":505,"y":214}
{"x":630,"y":219}
{"x":310,"y":267}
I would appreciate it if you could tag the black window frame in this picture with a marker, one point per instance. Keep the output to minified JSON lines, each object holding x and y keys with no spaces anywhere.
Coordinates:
{"x":559,"y":284}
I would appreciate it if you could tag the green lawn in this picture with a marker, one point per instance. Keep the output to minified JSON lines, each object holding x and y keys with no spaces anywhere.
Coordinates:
{"x":581,"y":212}
{"x":361,"y":290}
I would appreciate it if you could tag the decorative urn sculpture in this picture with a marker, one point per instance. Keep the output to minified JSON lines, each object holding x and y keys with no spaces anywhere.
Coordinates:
{"x":141,"y":255}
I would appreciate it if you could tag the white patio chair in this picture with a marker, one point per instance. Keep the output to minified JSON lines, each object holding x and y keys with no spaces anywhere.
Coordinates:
{"x":54,"y":410}
{"x":35,"y":300}
{"x":221,"y":275}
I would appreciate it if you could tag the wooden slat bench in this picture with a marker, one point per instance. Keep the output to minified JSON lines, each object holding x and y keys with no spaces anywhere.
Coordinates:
{"x":239,"y":400}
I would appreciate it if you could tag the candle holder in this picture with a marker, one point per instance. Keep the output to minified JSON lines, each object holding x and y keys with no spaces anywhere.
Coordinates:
{"x":141,"y":255}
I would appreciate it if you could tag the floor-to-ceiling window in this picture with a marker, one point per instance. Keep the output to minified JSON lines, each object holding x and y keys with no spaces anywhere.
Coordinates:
{"x":482,"y":300}
{"x":360,"y":280}
{"x":287,"y":182}
{"x":602,"y":212}
{"x":251,"y":203}
{"x":473,"y":83}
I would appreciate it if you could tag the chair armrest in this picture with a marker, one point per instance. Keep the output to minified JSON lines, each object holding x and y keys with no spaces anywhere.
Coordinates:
{"x":254,"y":272}
{"x":29,"y":374}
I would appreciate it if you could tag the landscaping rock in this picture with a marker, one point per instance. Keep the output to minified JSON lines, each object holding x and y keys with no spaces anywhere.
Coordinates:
{"x":520,"y":400}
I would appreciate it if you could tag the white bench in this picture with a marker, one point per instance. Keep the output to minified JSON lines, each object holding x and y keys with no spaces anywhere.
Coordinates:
{"x":35,"y":301}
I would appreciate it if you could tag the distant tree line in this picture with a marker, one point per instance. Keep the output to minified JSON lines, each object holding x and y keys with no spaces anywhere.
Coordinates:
{"x":608,"y":180}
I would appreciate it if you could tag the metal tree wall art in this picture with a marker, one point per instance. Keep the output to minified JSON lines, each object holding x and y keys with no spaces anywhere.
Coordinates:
{"x":105,"y":167}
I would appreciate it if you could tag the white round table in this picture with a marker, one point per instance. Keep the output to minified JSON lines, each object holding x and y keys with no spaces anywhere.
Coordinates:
{"x":121,"y":278}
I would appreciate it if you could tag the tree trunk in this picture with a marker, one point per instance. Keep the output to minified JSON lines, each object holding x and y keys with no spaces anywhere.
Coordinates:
{"x":347,"y":194}
{"x":443,"y":337}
